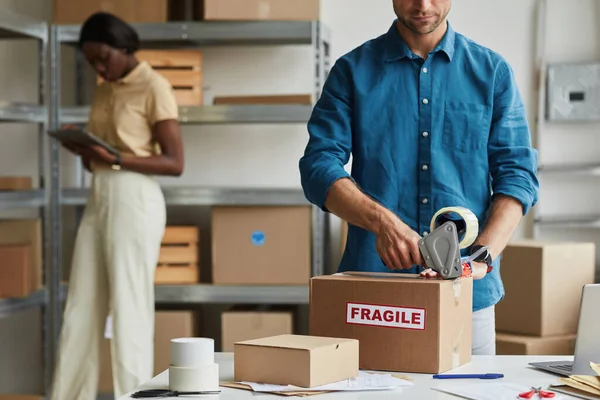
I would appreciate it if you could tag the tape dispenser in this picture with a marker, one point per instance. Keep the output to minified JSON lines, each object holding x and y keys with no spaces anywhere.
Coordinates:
{"x":452,"y":229}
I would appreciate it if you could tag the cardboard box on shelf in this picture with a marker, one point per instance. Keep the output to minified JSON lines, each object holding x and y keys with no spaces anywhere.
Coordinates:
{"x":403,"y":323}
{"x":305,"y":361}
{"x":15,"y":271}
{"x":16,"y":183}
{"x":543,"y":283}
{"x":182,"y":68}
{"x":132,"y":11}
{"x":507,"y":344}
{"x":179,"y":256}
{"x":168,"y":325}
{"x":302,"y":99}
{"x":27,"y":232}
{"x":241,"y":324}
{"x":261,"y":245}
{"x":252,"y":10}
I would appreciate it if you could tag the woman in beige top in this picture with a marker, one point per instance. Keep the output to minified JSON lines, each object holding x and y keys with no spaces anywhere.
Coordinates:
{"x":118,"y":241}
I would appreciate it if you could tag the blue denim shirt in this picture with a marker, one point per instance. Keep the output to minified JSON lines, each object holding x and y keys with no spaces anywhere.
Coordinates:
{"x":447,"y":131}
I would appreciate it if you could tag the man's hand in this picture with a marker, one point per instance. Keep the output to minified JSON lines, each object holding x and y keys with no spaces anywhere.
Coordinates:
{"x":397,"y":244}
{"x":479,"y":271}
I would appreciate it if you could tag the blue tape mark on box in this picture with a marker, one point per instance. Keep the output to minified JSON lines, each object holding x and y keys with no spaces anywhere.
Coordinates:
{"x":258,"y":238}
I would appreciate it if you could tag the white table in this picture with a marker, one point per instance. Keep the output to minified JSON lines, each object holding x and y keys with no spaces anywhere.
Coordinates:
{"x":515,"y":369}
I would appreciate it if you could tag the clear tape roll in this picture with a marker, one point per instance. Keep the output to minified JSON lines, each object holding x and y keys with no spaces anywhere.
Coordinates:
{"x":199,"y":379}
{"x":471,"y":222}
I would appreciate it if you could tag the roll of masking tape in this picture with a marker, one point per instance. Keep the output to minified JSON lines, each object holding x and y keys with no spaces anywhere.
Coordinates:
{"x":192,"y":352}
{"x":465,"y":220}
{"x":198,"y":379}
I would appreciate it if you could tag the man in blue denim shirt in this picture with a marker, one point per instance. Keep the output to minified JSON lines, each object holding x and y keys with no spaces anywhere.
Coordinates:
{"x":431,"y":120}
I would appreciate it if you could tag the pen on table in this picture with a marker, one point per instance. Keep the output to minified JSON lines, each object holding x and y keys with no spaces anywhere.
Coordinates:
{"x":469,"y":376}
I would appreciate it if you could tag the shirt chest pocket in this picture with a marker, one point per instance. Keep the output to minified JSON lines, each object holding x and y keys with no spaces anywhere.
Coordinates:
{"x":466,"y":126}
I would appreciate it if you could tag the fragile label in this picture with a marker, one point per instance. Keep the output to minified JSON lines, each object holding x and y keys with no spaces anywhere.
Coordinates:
{"x":387,"y":316}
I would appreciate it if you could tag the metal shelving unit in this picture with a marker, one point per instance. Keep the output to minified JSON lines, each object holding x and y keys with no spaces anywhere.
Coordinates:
{"x":18,"y":27}
{"x":221,"y":114}
{"x":204,"y":196}
{"x":196,"y":35}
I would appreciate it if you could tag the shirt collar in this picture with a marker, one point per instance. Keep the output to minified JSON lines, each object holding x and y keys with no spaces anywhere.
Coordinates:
{"x":135,"y":75}
{"x":396,"y":48}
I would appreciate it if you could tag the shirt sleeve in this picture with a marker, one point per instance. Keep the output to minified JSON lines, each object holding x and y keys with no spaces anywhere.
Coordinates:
{"x":161,"y":102}
{"x":512,"y":159}
{"x":330,"y":136}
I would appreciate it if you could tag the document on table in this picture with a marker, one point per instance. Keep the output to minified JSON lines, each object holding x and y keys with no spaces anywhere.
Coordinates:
{"x":365,"y":381}
{"x":492,"y":391}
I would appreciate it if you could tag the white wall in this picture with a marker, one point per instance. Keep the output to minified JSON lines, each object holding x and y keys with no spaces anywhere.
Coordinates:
{"x":267,"y":155}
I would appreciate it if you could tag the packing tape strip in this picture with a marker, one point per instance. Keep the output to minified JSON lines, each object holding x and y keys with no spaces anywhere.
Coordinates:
{"x":471,"y":228}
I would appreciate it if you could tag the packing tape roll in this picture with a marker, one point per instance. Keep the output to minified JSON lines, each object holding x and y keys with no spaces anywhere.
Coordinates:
{"x":192,"y":352}
{"x":471,"y":228}
{"x":198,"y":379}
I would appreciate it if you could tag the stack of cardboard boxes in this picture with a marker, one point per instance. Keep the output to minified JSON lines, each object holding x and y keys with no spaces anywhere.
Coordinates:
{"x":155,"y":11}
{"x":543,"y":284}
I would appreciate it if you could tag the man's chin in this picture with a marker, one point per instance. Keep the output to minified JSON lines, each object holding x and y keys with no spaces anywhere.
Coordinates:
{"x":421,"y":29}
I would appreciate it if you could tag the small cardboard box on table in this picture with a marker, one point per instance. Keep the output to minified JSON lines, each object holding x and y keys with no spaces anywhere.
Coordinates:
{"x":403,"y":323}
{"x":300,"y":360}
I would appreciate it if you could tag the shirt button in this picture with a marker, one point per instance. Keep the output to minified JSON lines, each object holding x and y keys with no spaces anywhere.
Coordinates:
{"x":425,"y":70}
{"x":425,"y":101}
{"x":425,"y":233}
{"x":425,"y":134}
{"x":425,"y":200}
{"x":425,"y":167}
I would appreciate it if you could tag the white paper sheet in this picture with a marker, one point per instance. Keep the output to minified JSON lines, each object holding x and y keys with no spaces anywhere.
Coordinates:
{"x":365,"y":381}
{"x":493,"y":391}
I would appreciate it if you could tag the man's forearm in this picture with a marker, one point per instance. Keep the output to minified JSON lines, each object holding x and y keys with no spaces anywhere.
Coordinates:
{"x":348,"y":202}
{"x":505,"y":215}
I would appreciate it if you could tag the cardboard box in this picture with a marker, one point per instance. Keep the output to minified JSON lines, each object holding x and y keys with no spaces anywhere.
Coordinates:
{"x":183,"y":69}
{"x":132,"y":11}
{"x":251,"y":10}
{"x":304,"y":361}
{"x":179,"y":256}
{"x":16,"y":183}
{"x":15,"y":271}
{"x":167,"y":325}
{"x":239,"y":325}
{"x":26,"y":232}
{"x":302,"y":99}
{"x":543,"y":283}
{"x":507,"y":344}
{"x":261,"y":245}
{"x":403,"y":323}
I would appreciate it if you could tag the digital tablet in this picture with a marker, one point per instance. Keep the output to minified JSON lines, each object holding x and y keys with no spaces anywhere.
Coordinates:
{"x":82,"y":138}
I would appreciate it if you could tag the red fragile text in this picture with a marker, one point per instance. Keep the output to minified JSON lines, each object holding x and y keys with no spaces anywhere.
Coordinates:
{"x":389,"y":316}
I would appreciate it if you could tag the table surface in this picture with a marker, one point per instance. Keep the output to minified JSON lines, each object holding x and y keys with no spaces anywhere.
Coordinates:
{"x":515,"y":369}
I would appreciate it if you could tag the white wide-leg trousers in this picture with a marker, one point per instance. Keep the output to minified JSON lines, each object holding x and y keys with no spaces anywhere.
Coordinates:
{"x":114,"y":261}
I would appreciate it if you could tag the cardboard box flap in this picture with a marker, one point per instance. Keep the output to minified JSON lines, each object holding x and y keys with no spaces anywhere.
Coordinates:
{"x":295,"y":342}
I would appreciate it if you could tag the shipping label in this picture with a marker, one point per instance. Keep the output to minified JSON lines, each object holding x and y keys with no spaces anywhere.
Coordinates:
{"x":385,"y":316}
